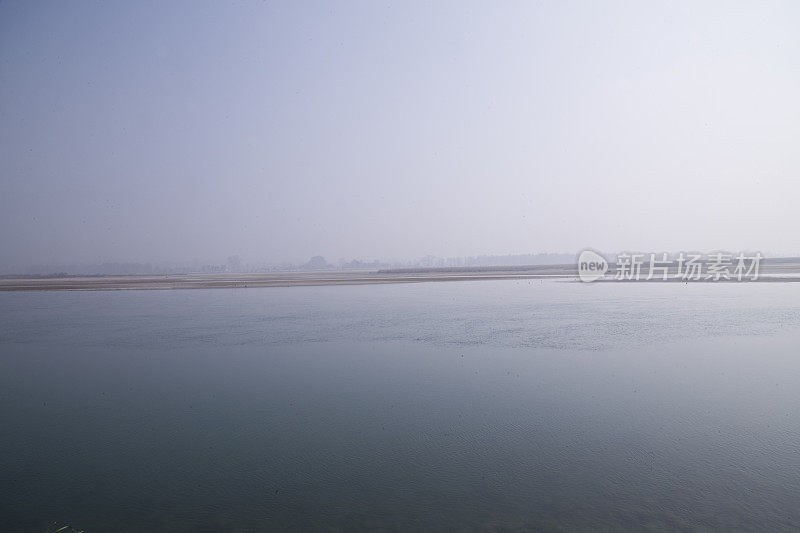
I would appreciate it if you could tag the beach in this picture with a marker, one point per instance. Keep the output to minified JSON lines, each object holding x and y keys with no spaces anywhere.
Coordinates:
{"x":773,"y":270}
{"x":279,"y":279}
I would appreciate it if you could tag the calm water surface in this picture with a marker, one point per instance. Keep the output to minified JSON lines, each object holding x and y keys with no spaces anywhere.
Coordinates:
{"x":498,"y":405}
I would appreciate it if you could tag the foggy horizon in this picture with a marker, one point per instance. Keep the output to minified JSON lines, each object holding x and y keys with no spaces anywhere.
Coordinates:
{"x":181,"y":131}
{"x":361,"y":265}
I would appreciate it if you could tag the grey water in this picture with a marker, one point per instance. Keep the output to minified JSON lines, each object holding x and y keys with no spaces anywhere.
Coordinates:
{"x":481,"y":406}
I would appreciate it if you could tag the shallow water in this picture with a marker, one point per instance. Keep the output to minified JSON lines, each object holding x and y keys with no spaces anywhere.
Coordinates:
{"x":488,"y":405}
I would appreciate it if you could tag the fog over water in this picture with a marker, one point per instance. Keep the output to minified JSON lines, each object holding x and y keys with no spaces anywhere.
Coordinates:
{"x":277,"y":131}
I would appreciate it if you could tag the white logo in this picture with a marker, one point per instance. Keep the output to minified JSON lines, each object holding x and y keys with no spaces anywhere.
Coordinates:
{"x":717,"y":266}
{"x":591,"y":266}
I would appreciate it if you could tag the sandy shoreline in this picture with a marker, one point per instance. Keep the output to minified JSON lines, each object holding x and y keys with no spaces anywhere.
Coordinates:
{"x":305,"y":279}
{"x":283,"y":279}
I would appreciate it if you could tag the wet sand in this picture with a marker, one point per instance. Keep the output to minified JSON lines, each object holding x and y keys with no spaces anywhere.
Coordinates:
{"x":282,"y":279}
{"x":773,"y":271}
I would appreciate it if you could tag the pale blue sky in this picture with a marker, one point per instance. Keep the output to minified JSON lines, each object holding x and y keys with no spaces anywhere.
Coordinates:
{"x":167,"y":131}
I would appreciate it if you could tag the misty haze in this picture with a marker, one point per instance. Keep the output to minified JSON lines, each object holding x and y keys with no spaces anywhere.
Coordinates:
{"x":417,"y":266}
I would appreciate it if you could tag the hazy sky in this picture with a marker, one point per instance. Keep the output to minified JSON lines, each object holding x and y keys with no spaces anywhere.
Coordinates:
{"x":167,"y":131}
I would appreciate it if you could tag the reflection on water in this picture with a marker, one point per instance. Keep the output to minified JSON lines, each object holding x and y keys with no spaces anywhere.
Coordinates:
{"x":483,"y":405}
